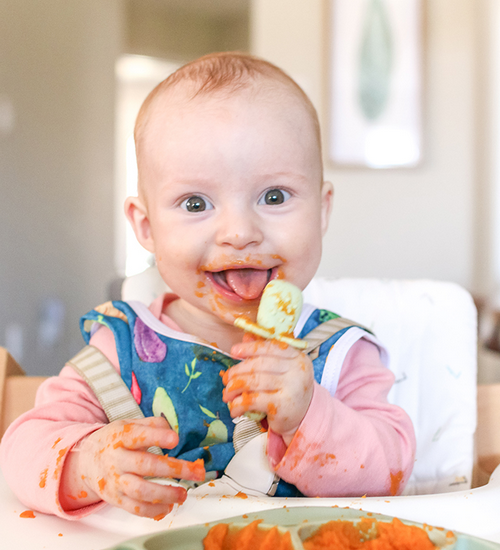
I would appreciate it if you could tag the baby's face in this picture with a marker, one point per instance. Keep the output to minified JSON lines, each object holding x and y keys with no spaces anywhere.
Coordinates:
{"x":234,"y":197}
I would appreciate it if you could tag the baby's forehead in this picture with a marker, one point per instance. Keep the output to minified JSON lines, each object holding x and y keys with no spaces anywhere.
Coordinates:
{"x":255,"y":95}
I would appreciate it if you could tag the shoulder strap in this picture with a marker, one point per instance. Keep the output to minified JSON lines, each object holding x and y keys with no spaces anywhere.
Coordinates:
{"x":109,"y":388}
{"x":327,"y":329}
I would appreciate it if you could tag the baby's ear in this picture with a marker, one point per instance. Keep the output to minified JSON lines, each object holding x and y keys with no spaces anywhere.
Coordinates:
{"x":137,"y":215}
{"x":326,"y":204}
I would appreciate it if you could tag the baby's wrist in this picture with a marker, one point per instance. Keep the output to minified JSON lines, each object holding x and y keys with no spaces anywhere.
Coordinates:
{"x":74,"y":490}
{"x":288,"y":436}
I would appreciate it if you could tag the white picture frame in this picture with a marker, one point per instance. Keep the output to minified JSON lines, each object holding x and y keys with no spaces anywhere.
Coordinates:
{"x":375,"y":85}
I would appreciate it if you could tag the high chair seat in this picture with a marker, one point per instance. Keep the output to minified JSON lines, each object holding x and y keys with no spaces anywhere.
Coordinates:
{"x":429,"y":329}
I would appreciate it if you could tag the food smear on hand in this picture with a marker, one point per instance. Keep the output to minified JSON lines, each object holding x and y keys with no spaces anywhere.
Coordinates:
{"x":224,"y":537}
{"x":278,"y":313}
{"x":368,"y":534}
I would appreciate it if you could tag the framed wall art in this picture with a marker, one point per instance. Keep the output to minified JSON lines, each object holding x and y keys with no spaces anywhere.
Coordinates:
{"x":375,"y":88}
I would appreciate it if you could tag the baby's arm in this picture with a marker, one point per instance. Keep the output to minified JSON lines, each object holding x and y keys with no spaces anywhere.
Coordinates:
{"x":355,"y":443}
{"x":352,"y":444}
{"x":35,"y":446}
{"x":38,"y":457}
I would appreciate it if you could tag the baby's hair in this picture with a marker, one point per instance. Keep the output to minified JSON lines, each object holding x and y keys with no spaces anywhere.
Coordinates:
{"x":224,"y":73}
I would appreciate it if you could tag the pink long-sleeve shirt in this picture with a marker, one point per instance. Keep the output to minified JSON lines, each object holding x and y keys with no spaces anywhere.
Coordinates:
{"x":350,"y":444}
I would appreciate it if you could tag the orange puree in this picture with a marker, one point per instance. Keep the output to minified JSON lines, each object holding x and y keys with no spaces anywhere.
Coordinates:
{"x":368,"y":534}
{"x":222,"y":537}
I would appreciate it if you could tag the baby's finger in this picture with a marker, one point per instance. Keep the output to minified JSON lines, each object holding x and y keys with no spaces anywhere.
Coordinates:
{"x":257,"y":382}
{"x":257,"y":365}
{"x":146,"y":433}
{"x":272,"y":348}
{"x":155,"y":511}
{"x":139,"y":489}
{"x":255,"y":402}
{"x":151,"y":465}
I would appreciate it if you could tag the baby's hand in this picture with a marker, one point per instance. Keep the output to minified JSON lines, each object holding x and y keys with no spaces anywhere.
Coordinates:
{"x":273,"y":378}
{"x":113,"y":461}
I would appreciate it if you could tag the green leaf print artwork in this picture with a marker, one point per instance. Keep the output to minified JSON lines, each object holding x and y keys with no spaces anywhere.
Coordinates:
{"x":192,"y":374}
{"x":376,"y":60}
{"x":163,"y":406}
{"x":217,"y":431}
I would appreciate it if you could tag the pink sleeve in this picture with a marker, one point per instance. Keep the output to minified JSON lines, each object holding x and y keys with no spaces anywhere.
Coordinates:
{"x":354,"y":443}
{"x":34,"y":447}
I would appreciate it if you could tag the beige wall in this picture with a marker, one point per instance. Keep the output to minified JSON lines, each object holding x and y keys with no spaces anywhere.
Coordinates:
{"x":180,"y":33}
{"x":56,"y":170}
{"x":56,"y":162}
{"x":395,"y":223}
{"x":487,"y":189}
{"x":57,"y":204}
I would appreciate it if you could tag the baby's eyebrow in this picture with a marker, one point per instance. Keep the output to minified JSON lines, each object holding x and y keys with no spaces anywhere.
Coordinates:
{"x":189,"y":181}
{"x":283,"y":174}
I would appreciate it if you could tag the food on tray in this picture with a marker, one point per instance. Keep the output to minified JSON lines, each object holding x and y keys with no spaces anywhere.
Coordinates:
{"x":278,"y":313}
{"x":368,"y":534}
{"x":251,"y":537}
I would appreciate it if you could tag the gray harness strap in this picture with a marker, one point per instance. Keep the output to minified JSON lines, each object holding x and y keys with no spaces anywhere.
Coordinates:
{"x":108,"y":386}
{"x":323,"y":332}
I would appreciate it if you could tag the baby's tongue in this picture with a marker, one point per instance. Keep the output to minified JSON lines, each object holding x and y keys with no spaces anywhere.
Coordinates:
{"x":247,"y":283}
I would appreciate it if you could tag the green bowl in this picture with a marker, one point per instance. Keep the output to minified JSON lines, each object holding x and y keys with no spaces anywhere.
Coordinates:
{"x":301,"y":522}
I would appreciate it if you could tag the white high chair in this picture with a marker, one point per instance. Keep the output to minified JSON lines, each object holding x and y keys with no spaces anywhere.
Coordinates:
{"x":430,"y":331}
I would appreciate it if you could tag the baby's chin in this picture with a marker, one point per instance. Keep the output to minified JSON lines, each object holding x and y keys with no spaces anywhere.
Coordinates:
{"x":229,"y":312}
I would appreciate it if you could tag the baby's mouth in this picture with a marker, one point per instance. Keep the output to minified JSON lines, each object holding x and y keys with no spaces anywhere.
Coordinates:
{"x":247,"y":283}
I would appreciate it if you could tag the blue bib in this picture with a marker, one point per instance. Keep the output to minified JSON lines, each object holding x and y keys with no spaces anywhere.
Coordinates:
{"x":172,"y":376}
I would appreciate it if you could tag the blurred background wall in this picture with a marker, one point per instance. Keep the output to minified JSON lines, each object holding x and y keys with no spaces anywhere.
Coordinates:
{"x":58,"y":232}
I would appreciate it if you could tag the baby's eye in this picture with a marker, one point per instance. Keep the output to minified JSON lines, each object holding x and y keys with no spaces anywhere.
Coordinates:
{"x":196,"y":204}
{"x":274,"y":196}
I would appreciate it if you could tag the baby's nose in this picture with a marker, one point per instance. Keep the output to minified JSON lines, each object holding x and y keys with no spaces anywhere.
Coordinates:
{"x":239,"y":230}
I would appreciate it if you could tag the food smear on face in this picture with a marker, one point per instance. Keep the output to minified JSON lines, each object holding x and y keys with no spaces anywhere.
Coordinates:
{"x":221,"y":308}
{"x":368,"y":534}
{"x":233,"y":285}
{"x":27,"y":514}
{"x":251,"y":537}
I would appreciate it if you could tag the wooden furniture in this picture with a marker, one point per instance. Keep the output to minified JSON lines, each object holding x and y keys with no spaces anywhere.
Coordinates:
{"x":17,"y":391}
{"x":487,"y":432}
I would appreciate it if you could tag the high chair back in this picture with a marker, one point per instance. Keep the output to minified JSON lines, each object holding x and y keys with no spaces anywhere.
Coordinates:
{"x":430,"y":331}
{"x":17,"y":391}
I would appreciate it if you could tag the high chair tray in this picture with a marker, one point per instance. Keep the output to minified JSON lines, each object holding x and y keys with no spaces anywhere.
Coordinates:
{"x":301,"y":522}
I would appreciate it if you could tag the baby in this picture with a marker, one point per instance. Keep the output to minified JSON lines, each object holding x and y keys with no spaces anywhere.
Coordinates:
{"x":231,"y":196}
